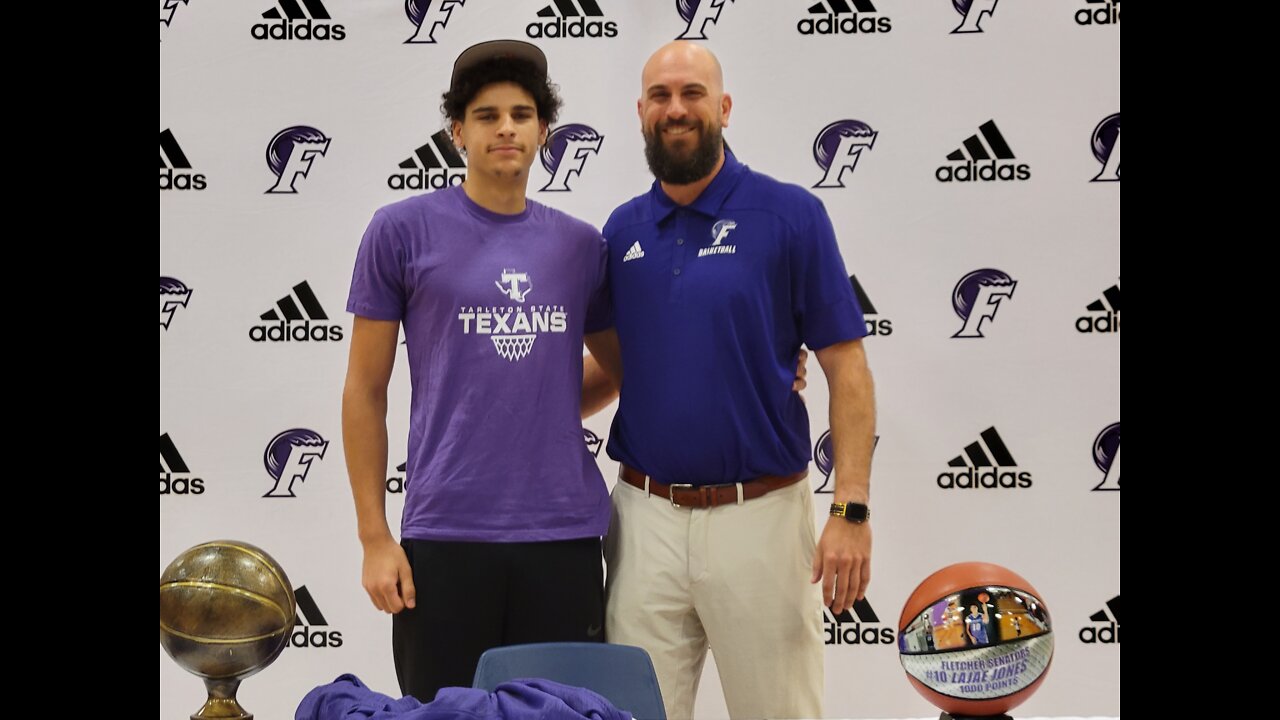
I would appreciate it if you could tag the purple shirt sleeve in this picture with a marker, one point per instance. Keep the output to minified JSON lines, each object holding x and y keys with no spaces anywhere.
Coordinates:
{"x":378,"y":287}
{"x":599,"y":305}
{"x":826,"y":309}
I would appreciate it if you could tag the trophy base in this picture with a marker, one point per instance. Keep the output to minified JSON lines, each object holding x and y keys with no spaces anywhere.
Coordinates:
{"x":221,"y":703}
{"x":222,"y":709}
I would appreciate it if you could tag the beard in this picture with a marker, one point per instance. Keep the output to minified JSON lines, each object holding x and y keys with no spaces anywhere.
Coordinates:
{"x":682,"y":167}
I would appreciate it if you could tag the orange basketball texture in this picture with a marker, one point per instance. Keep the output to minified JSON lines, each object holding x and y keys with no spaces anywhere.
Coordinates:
{"x":949,"y":581}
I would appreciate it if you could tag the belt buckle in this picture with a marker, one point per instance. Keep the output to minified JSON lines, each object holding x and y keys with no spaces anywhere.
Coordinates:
{"x":671,"y":491}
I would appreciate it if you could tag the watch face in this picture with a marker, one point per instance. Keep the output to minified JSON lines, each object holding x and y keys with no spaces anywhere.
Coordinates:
{"x":853,"y":512}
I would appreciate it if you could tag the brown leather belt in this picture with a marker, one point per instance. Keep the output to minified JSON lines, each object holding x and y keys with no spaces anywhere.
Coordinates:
{"x":706,"y":496}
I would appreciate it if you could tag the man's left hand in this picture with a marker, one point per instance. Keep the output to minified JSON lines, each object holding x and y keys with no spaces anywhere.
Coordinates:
{"x":842,"y":561}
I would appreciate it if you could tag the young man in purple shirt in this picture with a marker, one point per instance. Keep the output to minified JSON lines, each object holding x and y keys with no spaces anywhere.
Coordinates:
{"x":504,"y":505}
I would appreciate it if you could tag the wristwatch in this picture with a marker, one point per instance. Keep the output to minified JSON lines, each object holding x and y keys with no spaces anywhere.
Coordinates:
{"x":853,"y":512}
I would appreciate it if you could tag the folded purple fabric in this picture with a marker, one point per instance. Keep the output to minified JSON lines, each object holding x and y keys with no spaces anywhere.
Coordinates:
{"x":346,"y":698}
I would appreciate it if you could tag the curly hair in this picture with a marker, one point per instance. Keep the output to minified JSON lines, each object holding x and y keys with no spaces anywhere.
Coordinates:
{"x":495,"y":70}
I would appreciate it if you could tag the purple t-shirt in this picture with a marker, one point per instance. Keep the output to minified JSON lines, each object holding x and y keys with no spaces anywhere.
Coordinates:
{"x":493,"y":308}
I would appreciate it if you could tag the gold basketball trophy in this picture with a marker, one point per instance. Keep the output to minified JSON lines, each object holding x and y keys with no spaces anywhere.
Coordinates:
{"x":226,"y":610}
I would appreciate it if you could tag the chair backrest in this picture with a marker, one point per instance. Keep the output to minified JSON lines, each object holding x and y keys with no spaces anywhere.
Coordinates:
{"x":622,"y":674}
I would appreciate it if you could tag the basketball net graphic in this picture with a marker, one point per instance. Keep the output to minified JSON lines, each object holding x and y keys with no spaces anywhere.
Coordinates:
{"x":513,"y":347}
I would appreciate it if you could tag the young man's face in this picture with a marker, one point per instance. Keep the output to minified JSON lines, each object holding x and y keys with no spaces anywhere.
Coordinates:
{"x":501,"y":132}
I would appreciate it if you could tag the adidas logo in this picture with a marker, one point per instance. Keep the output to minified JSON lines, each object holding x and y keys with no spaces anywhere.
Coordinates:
{"x":571,"y":19}
{"x":836,"y":17}
{"x":171,"y":464}
{"x":1108,"y":634}
{"x":846,"y":629}
{"x":863,"y":301}
{"x":170,"y":149}
{"x":289,"y":309}
{"x":635,"y":253}
{"x":1099,"y":12}
{"x":974,"y":155}
{"x":304,"y":634}
{"x":172,"y":158}
{"x":989,"y":467}
{"x":433,"y":166}
{"x":315,"y":10}
{"x":396,"y":484}
{"x":170,"y":459}
{"x":1106,"y":317}
{"x":875,"y":326}
{"x":295,"y":323}
{"x":298,"y":20}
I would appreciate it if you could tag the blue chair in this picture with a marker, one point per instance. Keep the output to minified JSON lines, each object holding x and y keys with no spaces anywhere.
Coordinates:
{"x":622,"y":674}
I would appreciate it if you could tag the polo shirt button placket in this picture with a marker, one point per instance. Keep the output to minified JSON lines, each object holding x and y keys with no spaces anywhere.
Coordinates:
{"x":678,"y":257}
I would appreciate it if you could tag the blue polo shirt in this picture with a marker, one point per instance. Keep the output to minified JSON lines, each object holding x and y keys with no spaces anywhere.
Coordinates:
{"x":712,"y":301}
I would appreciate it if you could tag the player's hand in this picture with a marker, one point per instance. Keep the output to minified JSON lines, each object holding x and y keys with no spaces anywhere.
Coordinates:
{"x":387,"y":577}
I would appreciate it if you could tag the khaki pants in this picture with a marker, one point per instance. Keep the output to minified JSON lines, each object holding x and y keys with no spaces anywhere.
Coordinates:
{"x":733,"y":578}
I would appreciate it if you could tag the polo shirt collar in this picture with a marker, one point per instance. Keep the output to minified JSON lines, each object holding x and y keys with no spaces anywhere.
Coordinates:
{"x":713,"y":196}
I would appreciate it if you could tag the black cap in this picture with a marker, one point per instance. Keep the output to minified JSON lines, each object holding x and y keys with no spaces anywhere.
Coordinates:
{"x":511,"y":49}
